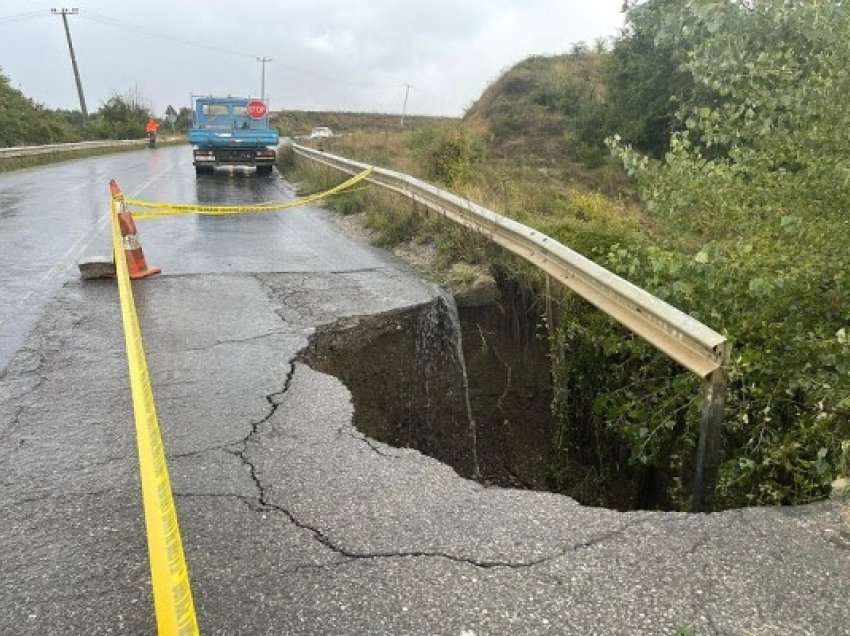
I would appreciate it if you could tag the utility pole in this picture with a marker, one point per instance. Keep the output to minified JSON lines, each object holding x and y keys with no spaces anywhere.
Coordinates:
{"x":263,"y":61}
{"x":64,"y":13}
{"x":407,"y":88}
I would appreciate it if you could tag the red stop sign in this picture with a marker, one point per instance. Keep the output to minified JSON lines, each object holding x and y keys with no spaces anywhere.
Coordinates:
{"x":256,"y":109}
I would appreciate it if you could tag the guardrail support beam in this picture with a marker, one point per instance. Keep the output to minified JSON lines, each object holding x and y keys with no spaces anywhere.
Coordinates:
{"x":550,"y":310}
{"x":710,"y":442}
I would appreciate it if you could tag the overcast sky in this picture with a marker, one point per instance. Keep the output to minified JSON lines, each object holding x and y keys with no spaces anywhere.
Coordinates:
{"x":327,"y":54}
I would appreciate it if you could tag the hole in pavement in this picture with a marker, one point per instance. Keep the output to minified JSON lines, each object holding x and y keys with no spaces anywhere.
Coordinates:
{"x":471,"y":387}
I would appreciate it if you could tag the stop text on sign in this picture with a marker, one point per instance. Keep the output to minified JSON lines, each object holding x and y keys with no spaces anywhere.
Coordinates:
{"x":256,"y":109}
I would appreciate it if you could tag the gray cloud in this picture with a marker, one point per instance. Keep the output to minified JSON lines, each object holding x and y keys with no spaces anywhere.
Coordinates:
{"x":328,"y":54}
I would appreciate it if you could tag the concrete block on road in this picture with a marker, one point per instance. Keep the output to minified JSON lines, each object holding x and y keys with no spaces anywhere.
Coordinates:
{"x":93,"y":267}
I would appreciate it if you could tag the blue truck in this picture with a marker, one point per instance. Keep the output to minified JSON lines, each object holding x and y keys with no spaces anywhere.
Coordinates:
{"x":232,"y":131}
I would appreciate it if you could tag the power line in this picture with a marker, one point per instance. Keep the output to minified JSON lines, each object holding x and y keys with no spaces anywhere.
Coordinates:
{"x":20,"y":17}
{"x":130,"y":27}
{"x":123,"y":24}
{"x":100,"y":18}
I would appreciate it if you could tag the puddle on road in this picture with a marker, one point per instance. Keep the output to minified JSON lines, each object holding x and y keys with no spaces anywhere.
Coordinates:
{"x":469,"y":386}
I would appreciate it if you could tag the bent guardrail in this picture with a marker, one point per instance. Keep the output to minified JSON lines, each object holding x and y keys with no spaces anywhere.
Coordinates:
{"x":692,"y":344}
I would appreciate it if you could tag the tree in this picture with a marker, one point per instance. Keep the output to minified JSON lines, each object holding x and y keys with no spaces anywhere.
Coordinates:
{"x":184,"y":119}
{"x":119,"y":118}
{"x":756,"y":183}
{"x":644,"y":79}
{"x":23,"y":122}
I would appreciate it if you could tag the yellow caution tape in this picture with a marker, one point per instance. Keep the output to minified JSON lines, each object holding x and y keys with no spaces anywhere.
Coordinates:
{"x":161,"y":209}
{"x":172,"y":593}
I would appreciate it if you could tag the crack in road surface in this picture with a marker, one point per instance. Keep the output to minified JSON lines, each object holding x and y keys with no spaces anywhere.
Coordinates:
{"x":275,"y":400}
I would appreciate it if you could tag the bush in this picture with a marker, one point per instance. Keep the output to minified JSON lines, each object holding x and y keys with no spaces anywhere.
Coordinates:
{"x":286,"y":160}
{"x":449,"y":157}
{"x":753,"y":201}
{"x":349,"y":203}
{"x":118,"y":118}
{"x":23,"y":122}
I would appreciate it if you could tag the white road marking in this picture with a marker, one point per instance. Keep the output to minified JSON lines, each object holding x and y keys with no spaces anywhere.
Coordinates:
{"x":70,"y":257}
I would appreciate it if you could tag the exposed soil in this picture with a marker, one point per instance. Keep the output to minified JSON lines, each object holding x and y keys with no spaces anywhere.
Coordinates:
{"x":408,"y":386}
{"x":408,"y":376}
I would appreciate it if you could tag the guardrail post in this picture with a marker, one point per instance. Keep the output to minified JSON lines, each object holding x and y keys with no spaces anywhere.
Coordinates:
{"x":550,"y":313}
{"x":708,"y":447}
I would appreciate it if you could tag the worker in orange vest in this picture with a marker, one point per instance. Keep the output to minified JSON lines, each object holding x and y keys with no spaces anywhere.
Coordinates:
{"x":150,"y":129}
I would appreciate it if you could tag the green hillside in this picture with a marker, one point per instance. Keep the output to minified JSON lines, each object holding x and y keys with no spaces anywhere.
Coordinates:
{"x":545,"y":108}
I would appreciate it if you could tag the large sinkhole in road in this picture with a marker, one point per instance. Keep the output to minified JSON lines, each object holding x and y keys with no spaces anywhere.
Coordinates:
{"x":469,"y":386}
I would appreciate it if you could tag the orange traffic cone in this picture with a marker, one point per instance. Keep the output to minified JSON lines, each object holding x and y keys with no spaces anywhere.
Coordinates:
{"x":136,"y":263}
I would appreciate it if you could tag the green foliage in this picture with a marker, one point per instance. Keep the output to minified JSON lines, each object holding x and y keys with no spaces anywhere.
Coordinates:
{"x":349,"y":202}
{"x":118,"y":118}
{"x":746,"y":231}
{"x":753,"y":196}
{"x":644,"y":81}
{"x":578,"y":97}
{"x":547,"y":108}
{"x":448,"y":156}
{"x":184,"y":119}
{"x":392,"y":223}
{"x":23,"y":122}
{"x":286,"y":160}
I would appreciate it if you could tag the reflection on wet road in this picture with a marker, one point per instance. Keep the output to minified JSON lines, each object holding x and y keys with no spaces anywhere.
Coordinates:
{"x":52,"y":215}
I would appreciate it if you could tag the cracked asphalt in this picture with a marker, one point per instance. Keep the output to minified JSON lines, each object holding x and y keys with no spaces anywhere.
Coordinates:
{"x":293,"y":522}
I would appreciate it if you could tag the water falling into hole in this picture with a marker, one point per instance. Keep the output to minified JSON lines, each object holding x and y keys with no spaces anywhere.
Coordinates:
{"x":440,"y":331}
{"x":472,"y":387}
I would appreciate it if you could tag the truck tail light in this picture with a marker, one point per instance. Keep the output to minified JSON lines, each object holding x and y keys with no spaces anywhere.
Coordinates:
{"x":265,"y":154}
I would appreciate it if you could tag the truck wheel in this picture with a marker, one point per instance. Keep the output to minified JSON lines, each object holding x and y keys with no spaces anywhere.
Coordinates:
{"x":199,"y":170}
{"x":264,"y":171}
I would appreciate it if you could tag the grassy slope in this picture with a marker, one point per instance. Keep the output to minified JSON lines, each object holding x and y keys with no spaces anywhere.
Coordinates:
{"x":301,"y":122}
{"x":515,"y":112}
{"x":525,"y":164}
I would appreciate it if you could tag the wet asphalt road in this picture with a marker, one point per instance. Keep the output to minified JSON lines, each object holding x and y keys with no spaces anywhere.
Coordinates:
{"x":292,"y":522}
{"x":51,"y":216}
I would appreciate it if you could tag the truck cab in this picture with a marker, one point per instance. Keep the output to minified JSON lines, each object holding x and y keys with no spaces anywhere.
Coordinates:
{"x":232,"y":131}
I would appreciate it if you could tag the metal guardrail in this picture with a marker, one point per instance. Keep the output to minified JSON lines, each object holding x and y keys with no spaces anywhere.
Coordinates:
{"x":28,"y":151}
{"x":692,"y":344}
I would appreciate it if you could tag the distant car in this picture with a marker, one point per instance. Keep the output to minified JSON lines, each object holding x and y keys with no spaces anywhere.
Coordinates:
{"x":321,"y":131}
